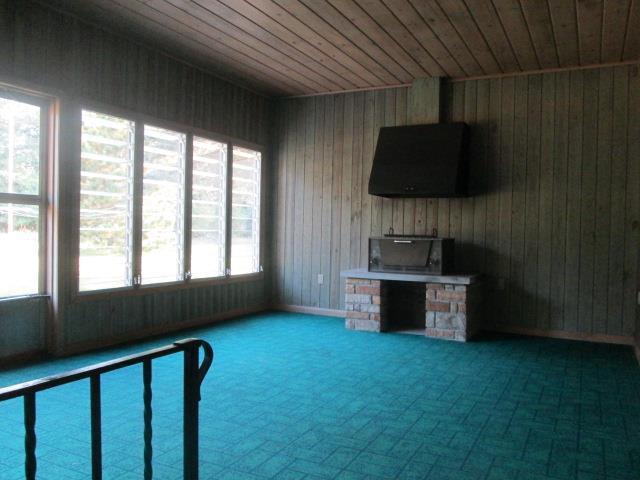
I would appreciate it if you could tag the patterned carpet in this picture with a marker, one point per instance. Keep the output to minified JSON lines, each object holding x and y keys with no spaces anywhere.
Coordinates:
{"x":299,"y":397}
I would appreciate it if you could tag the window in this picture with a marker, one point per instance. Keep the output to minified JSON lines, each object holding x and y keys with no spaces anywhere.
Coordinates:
{"x":22,"y":196}
{"x":106,"y":201}
{"x":155,"y":205}
{"x":245,"y":212}
{"x":163,"y":205}
{"x":208,"y":206}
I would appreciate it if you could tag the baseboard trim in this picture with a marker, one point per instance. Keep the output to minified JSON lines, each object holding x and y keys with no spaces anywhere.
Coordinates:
{"x":82,"y":347}
{"x":18,"y":359}
{"x":562,"y":334}
{"x":534,"y":332}
{"x":147,"y":333}
{"x":327,"y":312}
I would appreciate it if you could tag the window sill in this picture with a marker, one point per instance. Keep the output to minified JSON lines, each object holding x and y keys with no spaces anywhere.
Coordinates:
{"x":18,"y":298}
{"x":164,"y":287}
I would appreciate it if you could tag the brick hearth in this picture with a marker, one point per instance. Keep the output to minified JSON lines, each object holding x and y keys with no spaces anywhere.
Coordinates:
{"x":451,"y":310}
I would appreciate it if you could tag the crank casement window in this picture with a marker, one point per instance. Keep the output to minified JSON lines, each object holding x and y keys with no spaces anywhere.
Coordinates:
{"x":161,"y":206}
{"x":23,"y":149}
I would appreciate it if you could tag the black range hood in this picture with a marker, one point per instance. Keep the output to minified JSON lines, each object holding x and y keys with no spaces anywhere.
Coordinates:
{"x":421,"y":161}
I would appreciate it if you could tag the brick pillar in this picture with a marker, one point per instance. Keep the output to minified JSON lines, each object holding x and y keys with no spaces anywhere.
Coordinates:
{"x":362,"y":302}
{"x":451,"y":311}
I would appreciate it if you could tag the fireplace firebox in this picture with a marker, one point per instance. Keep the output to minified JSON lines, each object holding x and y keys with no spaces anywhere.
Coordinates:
{"x":404,"y":305}
{"x":440,"y":306}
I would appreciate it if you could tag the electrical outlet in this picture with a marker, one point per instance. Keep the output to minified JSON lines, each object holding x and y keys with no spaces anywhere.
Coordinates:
{"x":320,"y":279}
{"x":638,"y":297}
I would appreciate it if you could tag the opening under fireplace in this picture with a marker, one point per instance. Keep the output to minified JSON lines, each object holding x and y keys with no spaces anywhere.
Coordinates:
{"x":403,"y":306}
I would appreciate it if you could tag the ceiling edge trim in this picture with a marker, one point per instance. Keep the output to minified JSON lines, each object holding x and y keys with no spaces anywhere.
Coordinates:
{"x":478,"y":77}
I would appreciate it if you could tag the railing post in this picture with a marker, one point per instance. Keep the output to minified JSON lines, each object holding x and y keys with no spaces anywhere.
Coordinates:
{"x":148,"y":414}
{"x":30,"y":463}
{"x":190,"y":413}
{"x":194,"y":375}
{"x":96,"y":428}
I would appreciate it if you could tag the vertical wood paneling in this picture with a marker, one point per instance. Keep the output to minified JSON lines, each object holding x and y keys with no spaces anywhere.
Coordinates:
{"x":632,"y":209}
{"x":456,"y":114}
{"x":290,"y":186}
{"x":466,"y":233}
{"x":517,"y":212}
{"x":588,"y":200}
{"x":367,"y":158}
{"x":53,"y":50}
{"x":330,"y":214}
{"x":389,"y":120}
{"x":559,"y":201}
{"x":378,"y":121}
{"x":545,"y":246}
{"x":23,"y":326}
{"x":298,"y":228}
{"x":505,"y":195}
{"x":318,"y":225}
{"x":479,"y":174}
{"x":45,"y":49}
{"x":400,"y":119}
{"x":574,"y":191}
{"x":603,"y":201}
{"x":493,"y":195}
{"x":308,"y":196}
{"x":279,"y":201}
{"x":356,"y":179}
{"x":555,"y":222}
{"x":334,"y":129}
{"x":343,"y":147}
{"x":531,"y":209}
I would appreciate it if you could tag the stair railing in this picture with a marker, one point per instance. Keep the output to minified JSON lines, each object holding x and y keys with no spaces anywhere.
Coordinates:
{"x":194,"y":374}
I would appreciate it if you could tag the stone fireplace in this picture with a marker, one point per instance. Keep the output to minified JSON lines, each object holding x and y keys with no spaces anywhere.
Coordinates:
{"x":441,"y":306}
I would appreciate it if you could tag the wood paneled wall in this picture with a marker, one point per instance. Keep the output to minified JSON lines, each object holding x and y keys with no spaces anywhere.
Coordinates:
{"x":23,"y":326}
{"x":556,"y":220}
{"x":79,"y":62}
{"x":44,"y":47}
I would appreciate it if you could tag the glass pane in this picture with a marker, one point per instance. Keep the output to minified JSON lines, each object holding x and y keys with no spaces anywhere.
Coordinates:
{"x":106,"y":201}
{"x":162,"y":205}
{"x":245,"y":212}
{"x":208,"y":208}
{"x":19,"y":147}
{"x":19,"y":249}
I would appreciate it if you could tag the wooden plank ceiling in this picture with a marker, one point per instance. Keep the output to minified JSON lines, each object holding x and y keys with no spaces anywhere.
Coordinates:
{"x":294,"y":47}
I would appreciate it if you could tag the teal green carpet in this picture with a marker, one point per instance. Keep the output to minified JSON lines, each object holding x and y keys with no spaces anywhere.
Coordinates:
{"x":299,"y":397}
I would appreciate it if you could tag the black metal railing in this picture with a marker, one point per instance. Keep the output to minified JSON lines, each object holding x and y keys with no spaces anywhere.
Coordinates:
{"x":194,"y":374}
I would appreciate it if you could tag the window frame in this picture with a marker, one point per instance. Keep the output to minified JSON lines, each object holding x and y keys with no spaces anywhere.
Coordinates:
{"x":137,"y":288}
{"x":138,"y":208}
{"x":42,"y":199}
{"x":78,"y":203}
{"x":189,"y":206}
{"x":229,"y":211}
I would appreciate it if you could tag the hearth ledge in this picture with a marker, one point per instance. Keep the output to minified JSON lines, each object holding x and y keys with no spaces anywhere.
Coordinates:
{"x":458,"y":279}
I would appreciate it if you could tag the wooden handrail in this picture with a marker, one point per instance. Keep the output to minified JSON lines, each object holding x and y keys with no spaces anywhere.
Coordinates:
{"x":194,"y":374}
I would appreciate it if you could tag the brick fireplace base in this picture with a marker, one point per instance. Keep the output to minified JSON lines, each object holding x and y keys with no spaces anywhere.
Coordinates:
{"x":362,"y":301}
{"x":451,"y":310}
